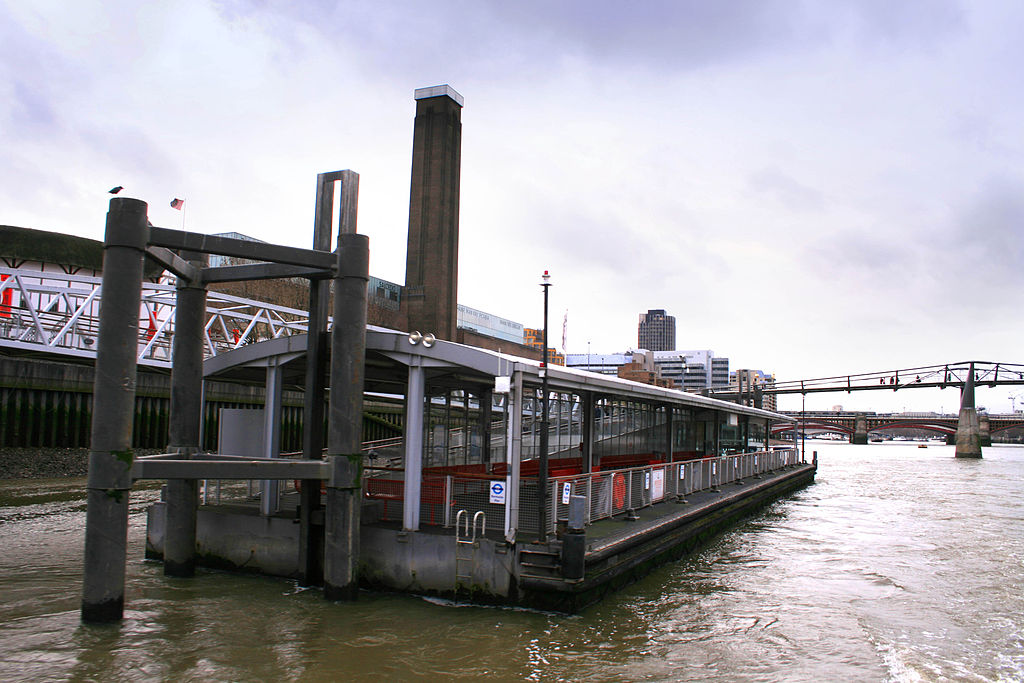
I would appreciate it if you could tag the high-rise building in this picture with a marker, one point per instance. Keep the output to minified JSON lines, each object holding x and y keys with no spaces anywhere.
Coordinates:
{"x":656,"y":331}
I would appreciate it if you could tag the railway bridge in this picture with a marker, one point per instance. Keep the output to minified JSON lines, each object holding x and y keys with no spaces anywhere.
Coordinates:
{"x":970,"y":434}
{"x":858,"y":426}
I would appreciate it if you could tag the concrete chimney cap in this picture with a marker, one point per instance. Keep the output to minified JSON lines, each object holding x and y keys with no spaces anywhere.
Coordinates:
{"x":439,"y":91}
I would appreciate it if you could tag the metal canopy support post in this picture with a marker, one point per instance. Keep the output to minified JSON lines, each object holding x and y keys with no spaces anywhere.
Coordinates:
{"x":110,"y":454}
{"x":542,"y":475}
{"x":186,"y":412}
{"x":345,"y":411}
{"x":514,"y":455}
{"x":486,"y":401}
{"x":271,"y":434}
{"x":718,"y":434}
{"x":447,"y":438}
{"x":414,"y":400}
{"x":587,"y":431}
{"x":670,"y":432}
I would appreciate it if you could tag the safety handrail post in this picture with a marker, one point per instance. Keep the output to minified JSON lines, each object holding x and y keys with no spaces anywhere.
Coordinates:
{"x":448,"y":502}
{"x":483,"y":524}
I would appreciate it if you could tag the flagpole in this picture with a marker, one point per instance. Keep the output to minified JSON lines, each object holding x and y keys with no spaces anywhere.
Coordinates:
{"x":179,"y":205}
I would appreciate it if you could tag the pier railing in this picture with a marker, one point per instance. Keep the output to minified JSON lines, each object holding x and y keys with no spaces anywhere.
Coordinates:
{"x":607,"y":494}
{"x":620,"y":491}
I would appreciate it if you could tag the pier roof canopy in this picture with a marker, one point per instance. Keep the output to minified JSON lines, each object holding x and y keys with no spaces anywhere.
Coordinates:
{"x":390,"y":352}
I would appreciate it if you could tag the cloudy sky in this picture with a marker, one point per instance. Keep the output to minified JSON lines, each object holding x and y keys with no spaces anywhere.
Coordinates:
{"x":811,"y":188}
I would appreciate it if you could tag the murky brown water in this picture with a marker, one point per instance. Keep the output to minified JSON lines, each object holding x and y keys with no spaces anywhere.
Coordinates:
{"x":900,"y":563}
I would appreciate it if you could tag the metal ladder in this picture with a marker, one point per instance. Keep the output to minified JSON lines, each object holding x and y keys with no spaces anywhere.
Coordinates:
{"x":466,"y":544}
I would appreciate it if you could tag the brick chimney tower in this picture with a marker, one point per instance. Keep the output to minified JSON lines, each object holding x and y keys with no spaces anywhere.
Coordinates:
{"x":432,"y":256}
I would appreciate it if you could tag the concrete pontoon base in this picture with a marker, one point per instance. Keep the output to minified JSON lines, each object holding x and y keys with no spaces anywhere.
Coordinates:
{"x":622,"y":552}
{"x":424,"y":562}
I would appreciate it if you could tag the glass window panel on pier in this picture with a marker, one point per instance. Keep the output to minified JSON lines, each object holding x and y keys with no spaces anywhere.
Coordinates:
{"x":757,"y":434}
{"x":731,"y":438}
{"x":464,"y":428}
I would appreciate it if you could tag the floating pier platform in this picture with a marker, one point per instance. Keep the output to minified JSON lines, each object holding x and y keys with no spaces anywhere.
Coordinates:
{"x":507,"y":480}
{"x":463,"y":559}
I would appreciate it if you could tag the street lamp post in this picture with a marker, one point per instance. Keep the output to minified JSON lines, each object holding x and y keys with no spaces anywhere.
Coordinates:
{"x":542,"y":482}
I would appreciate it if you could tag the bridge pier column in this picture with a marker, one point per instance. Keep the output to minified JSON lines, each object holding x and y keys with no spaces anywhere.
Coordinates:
{"x":860,"y":430}
{"x":983,"y":426}
{"x":951,"y":439}
{"x":968,"y":431}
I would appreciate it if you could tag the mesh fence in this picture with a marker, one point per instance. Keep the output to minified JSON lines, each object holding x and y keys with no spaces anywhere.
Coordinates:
{"x":472,"y":494}
{"x":529,"y":506}
{"x":386,"y":487}
{"x":442,"y":496}
{"x":611,"y":493}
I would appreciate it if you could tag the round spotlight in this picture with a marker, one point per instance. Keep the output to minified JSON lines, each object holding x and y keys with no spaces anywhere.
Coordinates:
{"x":415,"y":338}
{"x":428,"y":340}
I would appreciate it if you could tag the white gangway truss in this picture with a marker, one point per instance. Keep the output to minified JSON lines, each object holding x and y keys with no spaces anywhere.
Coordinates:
{"x":58,"y":314}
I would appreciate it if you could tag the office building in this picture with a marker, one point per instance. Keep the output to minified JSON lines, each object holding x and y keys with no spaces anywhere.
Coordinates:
{"x":656,"y":331}
{"x":642,"y":368}
{"x":692,"y":371}
{"x":744,"y":381}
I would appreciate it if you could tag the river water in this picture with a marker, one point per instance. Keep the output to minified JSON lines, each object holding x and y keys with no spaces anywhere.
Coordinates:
{"x":899,"y":564}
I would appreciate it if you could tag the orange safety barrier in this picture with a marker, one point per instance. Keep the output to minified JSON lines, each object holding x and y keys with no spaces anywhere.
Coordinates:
{"x":618,"y":490}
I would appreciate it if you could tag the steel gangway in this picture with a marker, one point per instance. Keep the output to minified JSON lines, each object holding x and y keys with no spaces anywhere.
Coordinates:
{"x":57,"y":314}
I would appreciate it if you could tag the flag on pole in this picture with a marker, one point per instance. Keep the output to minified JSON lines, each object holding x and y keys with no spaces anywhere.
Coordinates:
{"x":565,"y":329}
{"x":177,"y":203}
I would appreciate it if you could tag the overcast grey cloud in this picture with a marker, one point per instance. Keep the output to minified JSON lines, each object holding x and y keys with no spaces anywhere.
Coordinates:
{"x":810,"y":188}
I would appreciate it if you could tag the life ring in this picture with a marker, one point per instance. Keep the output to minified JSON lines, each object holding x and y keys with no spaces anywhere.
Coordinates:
{"x":618,"y":490}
